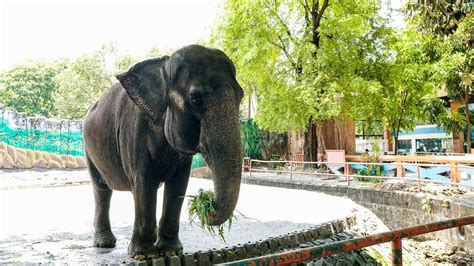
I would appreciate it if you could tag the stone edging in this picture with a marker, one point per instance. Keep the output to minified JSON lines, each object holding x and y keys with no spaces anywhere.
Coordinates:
{"x":397,"y":209}
{"x":258,"y":248}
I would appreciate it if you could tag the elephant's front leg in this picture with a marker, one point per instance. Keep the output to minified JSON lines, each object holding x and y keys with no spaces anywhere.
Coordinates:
{"x":175,"y":189}
{"x":144,"y":229}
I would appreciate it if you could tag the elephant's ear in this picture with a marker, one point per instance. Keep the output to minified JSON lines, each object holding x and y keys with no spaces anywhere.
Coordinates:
{"x":145,"y":84}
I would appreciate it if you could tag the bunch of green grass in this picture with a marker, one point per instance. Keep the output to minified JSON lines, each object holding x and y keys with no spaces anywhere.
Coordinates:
{"x":201,"y":208}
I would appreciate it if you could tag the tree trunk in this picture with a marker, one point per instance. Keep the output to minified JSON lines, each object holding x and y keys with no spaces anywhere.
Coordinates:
{"x":311,"y":143}
{"x":396,"y":142}
{"x":399,"y":119}
{"x":468,"y":124}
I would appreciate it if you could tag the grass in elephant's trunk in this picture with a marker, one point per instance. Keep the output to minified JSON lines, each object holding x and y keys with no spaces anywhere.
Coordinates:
{"x":201,"y":208}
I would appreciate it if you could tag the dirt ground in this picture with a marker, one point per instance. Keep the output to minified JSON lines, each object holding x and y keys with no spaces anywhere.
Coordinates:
{"x":433,"y":189}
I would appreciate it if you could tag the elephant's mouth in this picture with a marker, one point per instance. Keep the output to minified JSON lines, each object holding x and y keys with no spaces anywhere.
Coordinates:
{"x":184,"y":153}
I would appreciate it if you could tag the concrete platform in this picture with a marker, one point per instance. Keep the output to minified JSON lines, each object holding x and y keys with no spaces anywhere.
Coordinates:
{"x":54,"y":224}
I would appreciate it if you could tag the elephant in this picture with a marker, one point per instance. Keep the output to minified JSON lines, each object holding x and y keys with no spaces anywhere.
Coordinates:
{"x":143,"y":132}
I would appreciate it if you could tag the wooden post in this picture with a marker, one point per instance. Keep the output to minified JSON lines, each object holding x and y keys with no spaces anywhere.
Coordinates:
{"x":454,"y":172}
{"x":400,"y":169}
{"x":346,"y":173}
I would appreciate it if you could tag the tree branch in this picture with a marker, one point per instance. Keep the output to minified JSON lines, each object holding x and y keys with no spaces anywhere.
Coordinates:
{"x":283,"y":47}
{"x":307,"y":11}
{"x":283,"y":24}
{"x":321,"y":12}
{"x":316,"y":16}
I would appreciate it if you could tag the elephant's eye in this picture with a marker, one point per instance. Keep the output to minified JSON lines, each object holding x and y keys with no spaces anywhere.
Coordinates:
{"x":195,"y":98}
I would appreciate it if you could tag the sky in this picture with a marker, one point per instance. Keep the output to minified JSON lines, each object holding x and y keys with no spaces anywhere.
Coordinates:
{"x":54,"y":29}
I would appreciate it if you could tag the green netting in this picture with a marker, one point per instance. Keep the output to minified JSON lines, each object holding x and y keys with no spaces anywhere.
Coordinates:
{"x":198,"y":161}
{"x":41,"y":140}
{"x":39,"y":133}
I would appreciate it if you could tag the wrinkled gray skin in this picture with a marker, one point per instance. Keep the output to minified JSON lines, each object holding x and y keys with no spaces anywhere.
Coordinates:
{"x":144,"y":131}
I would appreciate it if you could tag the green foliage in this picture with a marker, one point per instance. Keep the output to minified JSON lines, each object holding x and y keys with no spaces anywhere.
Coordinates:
{"x":447,"y":27}
{"x":441,"y":17}
{"x":437,"y":113}
{"x":124,"y":63}
{"x":81,"y":84}
{"x":446,"y":204}
{"x":427,"y":205}
{"x":300,"y":69}
{"x":407,"y":85}
{"x":251,"y":139}
{"x":349,"y":63}
{"x":371,"y":169}
{"x":30,"y":87}
{"x":201,"y":208}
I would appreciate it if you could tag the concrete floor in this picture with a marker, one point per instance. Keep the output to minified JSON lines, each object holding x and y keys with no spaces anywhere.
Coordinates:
{"x":51,"y":221}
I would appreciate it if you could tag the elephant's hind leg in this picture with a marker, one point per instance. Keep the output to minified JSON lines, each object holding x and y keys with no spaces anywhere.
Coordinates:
{"x":103,"y":236}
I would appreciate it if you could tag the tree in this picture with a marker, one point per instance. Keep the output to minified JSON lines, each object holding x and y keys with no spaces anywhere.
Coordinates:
{"x":124,"y":63}
{"x":436,"y":112}
{"x":448,"y":26}
{"x":438,"y":18}
{"x":81,"y":84}
{"x":407,"y":87}
{"x":30,"y":87}
{"x":303,"y":59}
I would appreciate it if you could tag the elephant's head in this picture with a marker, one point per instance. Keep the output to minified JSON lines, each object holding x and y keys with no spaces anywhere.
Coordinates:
{"x":196,"y":89}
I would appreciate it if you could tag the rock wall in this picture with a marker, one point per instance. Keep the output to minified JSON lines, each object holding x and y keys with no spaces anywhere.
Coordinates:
{"x":11,"y":157}
{"x":398,"y":209}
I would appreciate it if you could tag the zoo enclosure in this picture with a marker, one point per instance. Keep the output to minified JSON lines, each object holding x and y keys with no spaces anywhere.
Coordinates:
{"x":441,"y":173}
{"x":395,"y":237}
{"x":40,"y":133}
{"x":62,"y":137}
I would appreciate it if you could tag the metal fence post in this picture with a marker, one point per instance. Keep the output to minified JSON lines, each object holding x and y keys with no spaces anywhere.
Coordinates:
{"x":291,"y":171}
{"x":419,"y":177}
{"x":397,"y":252}
{"x":250,"y":167}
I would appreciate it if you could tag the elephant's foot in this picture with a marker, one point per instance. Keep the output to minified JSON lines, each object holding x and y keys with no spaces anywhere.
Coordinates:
{"x":104,"y":239}
{"x":142,"y":251}
{"x":169,"y":247}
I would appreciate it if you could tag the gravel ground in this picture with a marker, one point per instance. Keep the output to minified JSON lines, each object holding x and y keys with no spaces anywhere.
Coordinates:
{"x":49,"y":221}
{"x":433,"y":189}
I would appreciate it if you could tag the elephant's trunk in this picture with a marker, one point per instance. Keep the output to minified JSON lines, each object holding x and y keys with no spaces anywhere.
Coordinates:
{"x":220,"y":142}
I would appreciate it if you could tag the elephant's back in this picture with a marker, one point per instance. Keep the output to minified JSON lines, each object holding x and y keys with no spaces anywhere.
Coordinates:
{"x":100,"y":118}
